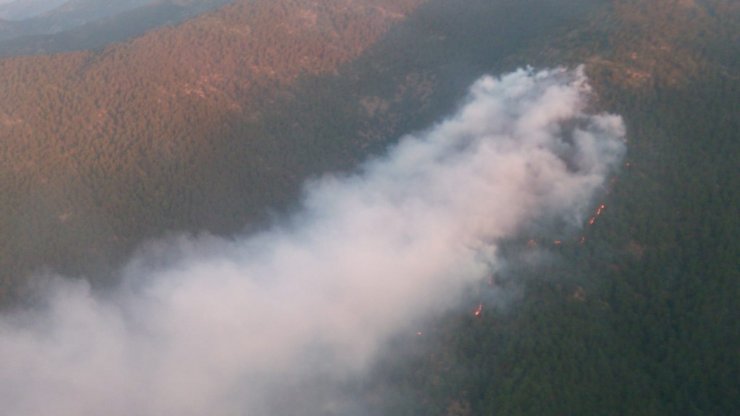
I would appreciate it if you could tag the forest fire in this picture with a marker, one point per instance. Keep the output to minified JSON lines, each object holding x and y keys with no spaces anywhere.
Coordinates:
{"x":478,"y":311}
{"x":598,"y":212}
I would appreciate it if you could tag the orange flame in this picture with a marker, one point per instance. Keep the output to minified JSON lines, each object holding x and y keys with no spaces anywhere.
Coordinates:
{"x":598,"y":212}
{"x":478,"y":311}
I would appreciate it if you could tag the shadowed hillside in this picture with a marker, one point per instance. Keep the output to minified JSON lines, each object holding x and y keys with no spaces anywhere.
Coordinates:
{"x":639,"y":316}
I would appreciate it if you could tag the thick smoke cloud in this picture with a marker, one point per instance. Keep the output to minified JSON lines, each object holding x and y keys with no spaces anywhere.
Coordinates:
{"x":208,"y":326}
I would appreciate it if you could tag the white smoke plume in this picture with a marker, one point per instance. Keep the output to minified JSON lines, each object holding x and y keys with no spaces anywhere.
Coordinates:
{"x":215,"y":328}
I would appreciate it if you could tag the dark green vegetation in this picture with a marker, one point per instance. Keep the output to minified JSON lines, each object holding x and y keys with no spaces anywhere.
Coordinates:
{"x":642,"y":319}
{"x":207,"y":125}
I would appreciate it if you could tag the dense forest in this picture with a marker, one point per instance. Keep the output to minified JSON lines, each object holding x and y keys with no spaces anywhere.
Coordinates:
{"x":640,"y":318}
{"x":103,"y":149}
{"x":212,"y":124}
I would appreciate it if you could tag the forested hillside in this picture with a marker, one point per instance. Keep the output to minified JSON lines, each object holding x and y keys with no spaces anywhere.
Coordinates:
{"x":103,"y":149}
{"x":204,"y":125}
{"x":640,"y":317}
{"x":210,"y":125}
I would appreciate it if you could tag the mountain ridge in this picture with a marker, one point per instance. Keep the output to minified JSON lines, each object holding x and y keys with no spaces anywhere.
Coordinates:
{"x":80,"y":25}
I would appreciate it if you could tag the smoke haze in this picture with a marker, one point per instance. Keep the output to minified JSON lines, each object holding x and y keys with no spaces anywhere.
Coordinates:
{"x":25,"y":9}
{"x":209,"y":326}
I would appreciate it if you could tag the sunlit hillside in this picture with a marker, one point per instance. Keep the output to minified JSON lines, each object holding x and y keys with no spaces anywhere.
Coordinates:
{"x":102,"y":149}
